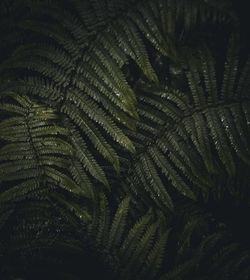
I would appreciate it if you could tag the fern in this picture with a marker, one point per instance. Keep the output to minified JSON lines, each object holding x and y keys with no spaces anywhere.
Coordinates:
{"x":179,"y":134}
{"x":104,"y":103}
{"x":138,"y":251}
{"x":36,"y":153}
{"x":69,"y":64}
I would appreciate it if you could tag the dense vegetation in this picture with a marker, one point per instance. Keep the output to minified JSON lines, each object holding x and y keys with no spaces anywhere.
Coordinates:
{"x":124,"y":131}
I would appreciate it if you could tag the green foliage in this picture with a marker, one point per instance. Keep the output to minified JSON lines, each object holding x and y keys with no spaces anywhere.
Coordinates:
{"x":135,"y":251}
{"x":190,"y":136}
{"x":35,"y":151}
{"x":119,"y":132}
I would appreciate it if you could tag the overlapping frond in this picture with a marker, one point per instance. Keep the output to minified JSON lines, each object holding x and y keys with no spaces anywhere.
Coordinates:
{"x":83,"y":105}
{"x":36,"y":154}
{"x":138,"y":251}
{"x":187,"y":136}
{"x":74,"y":64}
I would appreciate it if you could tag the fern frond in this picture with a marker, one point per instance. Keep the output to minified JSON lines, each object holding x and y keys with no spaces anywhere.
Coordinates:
{"x":35,"y":149}
{"x":118,"y":224}
{"x":136,"y":248}
{"x":155,"y":257}
{"x":178,"y":134}
{"x":136,"y":261}
{"x":87,"y":159}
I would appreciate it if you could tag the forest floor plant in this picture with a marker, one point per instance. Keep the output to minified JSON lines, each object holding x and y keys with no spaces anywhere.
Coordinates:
{"x":124,"y":131}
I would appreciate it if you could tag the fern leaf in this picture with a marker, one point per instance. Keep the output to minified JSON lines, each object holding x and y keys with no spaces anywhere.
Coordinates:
{"x":118,"y":224}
